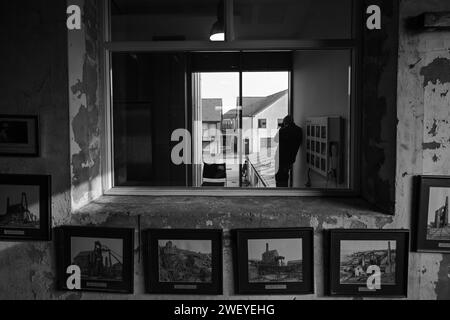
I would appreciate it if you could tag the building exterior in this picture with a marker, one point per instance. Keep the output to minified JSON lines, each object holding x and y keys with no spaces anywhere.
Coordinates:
{"x":261,"y":117}
{"x":211,"y":119}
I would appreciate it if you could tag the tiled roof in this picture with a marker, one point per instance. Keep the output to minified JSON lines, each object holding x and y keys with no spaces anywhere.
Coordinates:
{"x":251,"y":106}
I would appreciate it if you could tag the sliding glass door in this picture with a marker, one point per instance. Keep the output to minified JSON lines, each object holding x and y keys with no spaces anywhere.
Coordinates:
{"x":237,"y":116}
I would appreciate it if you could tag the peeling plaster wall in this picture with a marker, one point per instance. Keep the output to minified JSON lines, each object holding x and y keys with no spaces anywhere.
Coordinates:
{"x":27,"y":269}
{"x":85,"y":100}
{"x":423,"y":130}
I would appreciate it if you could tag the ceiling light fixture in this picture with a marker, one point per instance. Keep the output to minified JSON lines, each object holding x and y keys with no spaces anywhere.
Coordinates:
{"x":217,"y":32}
{"x":218,"y":29}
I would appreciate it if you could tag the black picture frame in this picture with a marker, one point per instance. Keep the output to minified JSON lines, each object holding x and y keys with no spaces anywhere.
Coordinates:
{"x":153,"y":283}
{"x":242,"y":262}
{"x":432,"y":199}
{"x":357,"y":286}
{"x":90,"y":235}
{"x":18,"y":196}
{"x":25,"y":135}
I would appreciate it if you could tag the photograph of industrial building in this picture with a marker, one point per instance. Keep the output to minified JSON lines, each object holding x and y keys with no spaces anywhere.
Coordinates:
{"x":356,"y":256}
{"x":275,"y":260}
{"x":19,"y":206}
{"x":185,"y":261}
{"x":438,"y":227}
{"x":98,"y":258}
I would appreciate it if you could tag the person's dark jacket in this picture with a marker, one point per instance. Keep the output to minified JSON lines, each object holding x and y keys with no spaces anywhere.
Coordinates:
{"x":290,"y":139}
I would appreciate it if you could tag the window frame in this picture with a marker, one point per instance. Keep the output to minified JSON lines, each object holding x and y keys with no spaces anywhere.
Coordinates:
{"x":354,"y":45}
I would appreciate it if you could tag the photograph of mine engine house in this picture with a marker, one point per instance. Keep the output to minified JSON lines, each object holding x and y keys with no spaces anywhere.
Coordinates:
{"x":224,"y":149}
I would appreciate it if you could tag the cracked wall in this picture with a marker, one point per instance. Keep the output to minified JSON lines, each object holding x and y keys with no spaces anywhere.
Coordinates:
{"x":423,"y":130}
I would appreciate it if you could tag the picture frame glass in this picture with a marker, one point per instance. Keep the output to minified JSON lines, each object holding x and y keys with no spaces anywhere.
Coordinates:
{"x":19,"y":135}
{"x":432,"y":223}
{"x":20,"y":206}
{"x":368,"y":262}
{"x":438,"y":224}
{"x":356,"y":256}
{"x":25,"y":207}
{"x":275,"y":260}
{"x":185,"y":261}
{"x":99,"y":259}
{"x":104,"y":256}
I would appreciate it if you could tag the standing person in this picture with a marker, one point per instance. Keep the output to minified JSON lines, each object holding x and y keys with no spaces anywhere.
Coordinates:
{"x":289,"y":139}
{"x":245,"y":173}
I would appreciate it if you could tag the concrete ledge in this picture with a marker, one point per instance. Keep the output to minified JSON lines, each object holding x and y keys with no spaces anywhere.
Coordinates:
{"x":230,"y":212}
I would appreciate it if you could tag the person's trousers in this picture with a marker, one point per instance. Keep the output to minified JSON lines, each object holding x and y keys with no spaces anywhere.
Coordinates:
{"x":282,"y":177}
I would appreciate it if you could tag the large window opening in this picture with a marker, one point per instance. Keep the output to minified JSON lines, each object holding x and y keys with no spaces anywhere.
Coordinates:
{"x":273,"y":105}
{"x":283,"y":123}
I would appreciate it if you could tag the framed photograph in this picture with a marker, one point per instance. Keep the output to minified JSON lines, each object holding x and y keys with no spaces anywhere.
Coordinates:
{"x":368,"y":262}
{"x":183,"y":261}
{"x":19,"y":136}
{"x":274,"y":261}
{"x":432,"y":223}
{"x":25,"y":207}
{"x":105,"y":257}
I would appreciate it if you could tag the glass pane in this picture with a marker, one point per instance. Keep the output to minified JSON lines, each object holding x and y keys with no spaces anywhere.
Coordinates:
{"x":322,"y":105}
{"x":288,"y":129}
{"x":148,"y":106}
{"x":265,"y":100}
{"x":164,"y":20}
{"x":217,"y":147}
{"x":292,"y":19}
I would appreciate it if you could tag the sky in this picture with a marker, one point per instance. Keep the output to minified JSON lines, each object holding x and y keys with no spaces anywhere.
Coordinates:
{"x":437,"y":200}
{"x":352,"y":246}
{"x":203,"y":246}
{"x":291,"y":249}
{"x":225,"y":85}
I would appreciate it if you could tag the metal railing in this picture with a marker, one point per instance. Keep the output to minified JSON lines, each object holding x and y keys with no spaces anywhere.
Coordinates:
{"x":254,"y":178}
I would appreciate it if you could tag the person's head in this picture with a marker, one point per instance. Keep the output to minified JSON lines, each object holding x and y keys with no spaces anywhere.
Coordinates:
{"x":287,"y":121}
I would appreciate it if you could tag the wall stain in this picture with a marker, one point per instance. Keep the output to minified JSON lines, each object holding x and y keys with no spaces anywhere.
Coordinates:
{"x":443,"y":285}
{"x":433,"y":130}
{"x":437,"y":71}
{"x":431,"y":145}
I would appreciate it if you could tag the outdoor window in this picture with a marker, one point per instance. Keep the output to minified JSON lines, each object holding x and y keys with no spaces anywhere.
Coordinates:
{"x":190,"y":115}
{"x":262,"y":124}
